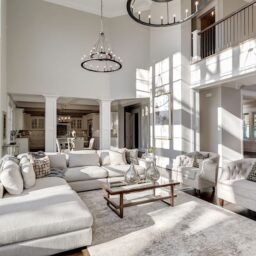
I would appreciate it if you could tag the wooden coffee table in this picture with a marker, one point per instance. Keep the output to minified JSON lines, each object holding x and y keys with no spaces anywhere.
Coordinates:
{"x":120,"y":189}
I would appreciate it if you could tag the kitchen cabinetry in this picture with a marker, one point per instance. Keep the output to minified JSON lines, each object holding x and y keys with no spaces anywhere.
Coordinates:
{"x":37,"y":123}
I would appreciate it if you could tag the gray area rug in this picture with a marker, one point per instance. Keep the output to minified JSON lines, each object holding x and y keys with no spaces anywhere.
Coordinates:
{"x":192,"y":228}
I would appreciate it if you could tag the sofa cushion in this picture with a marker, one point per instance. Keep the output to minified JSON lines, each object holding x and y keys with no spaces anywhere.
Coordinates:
{"x":120,"y":170}
{"x":57,"y":160}
{"x":11,"y":178}
{"x":78,"y":160}
{"x":132,"y":156}
{"x":117,"y":157}
{"x":242,"y":187}
{"x":41,"y":166}
{"x":42,"y":212}
{"x":85,"y":173}
{"x":28,"y":173}
{"x":190,"y":173}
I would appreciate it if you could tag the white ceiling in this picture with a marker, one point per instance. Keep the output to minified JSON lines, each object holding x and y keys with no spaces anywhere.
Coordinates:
{"x":112,"y":8}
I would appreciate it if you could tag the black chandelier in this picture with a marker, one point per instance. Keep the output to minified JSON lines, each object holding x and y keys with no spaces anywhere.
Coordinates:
{"x":142,"y":11}
{"x":101,"y":58}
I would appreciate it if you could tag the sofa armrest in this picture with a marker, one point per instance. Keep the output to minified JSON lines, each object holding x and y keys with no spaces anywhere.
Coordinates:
{"x":209,"y":169}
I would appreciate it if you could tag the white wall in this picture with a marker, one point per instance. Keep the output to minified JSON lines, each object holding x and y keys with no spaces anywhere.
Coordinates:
{"x":45,"y":46}
{"x":131,"y":41}
{"x":209,"y":103}
{"x":46,"y":43}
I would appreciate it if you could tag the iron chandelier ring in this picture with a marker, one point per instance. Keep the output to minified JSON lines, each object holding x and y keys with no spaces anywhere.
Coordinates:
{"x":150,"y":24}
{"x":102,"y":71}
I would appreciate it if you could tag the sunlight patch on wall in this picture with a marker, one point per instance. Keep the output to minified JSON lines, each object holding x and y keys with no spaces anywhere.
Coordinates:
{"x":247,"y":61}
{"x":231,"y":123}
{"x":143,"y":86}
{"x":226,"y":63}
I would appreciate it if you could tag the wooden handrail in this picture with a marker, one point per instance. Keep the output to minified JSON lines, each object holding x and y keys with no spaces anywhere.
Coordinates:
{"x":228,"y":17}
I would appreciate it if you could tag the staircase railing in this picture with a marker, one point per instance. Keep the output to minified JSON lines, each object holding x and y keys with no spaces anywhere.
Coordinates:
{"x":236,"y":28}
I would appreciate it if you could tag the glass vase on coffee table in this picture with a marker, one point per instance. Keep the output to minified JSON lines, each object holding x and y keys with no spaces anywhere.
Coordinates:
{"x":132,"y":176}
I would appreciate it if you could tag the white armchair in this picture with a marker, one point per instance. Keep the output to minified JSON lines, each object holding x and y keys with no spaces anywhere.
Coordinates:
{"x":202,"y":177}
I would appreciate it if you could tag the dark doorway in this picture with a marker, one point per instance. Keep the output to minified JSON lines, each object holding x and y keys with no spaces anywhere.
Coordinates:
{"x":132,"y":126}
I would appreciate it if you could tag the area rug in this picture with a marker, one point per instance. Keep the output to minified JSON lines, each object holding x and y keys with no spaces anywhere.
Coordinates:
{"x":192,"y":228}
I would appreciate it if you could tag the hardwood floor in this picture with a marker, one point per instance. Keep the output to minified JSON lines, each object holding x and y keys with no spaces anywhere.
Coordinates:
{"x":208,"y":196}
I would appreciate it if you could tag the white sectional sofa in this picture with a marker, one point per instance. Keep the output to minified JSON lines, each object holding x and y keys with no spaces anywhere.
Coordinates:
{"x":50,"y":217}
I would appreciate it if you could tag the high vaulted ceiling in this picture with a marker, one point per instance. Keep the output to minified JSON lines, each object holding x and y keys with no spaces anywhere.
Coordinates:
{"x":112,"y":8}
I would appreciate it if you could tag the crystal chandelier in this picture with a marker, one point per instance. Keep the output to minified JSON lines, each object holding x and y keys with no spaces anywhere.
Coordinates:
{"x":64,"y":119}
{"x":146,"y":12}
{"x":101,"y":58}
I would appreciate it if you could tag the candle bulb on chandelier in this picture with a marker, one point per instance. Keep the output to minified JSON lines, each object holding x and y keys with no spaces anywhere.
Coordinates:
{"x":174,"y":18}
{"x":162,"y":20}
{"x":149,"y":18}
{"x":196,"y":3}
{"x":186,"y":13}
{"x":139,"y":14}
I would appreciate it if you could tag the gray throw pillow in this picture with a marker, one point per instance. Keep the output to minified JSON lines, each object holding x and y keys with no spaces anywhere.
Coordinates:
{"x":132,"y":156}
{"x":252,"y":174}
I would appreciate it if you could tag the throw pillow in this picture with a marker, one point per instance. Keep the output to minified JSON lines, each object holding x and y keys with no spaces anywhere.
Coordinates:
{"x":11,"y":178}
{"x":28,"y":173}
{"x":132,"y":156}
{"x":41,"y":166}
{"x":78,"y":160}
{"x":117,"y":158}
{"x":252,"y":174}
{"x":121,"y":151}
{"x":197,"y":158}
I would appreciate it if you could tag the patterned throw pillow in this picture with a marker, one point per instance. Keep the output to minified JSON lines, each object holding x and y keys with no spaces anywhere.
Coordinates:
{"x":132,"y":156}
{"x":198,"y":158}
{"x":41,"y":167}
{"x":252,"y":174}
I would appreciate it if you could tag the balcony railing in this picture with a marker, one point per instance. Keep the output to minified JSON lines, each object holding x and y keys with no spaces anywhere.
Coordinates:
{"x":236,"y":28}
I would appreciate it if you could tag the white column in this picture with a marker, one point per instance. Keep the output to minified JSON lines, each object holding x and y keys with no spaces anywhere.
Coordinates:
{"x":196,"y":46}
{"x":50,"y":123}
{"x":105,"y":124}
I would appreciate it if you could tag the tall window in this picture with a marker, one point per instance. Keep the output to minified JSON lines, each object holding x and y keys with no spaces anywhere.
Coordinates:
{"x":246,"y":125}
{"x":162,"y":100}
